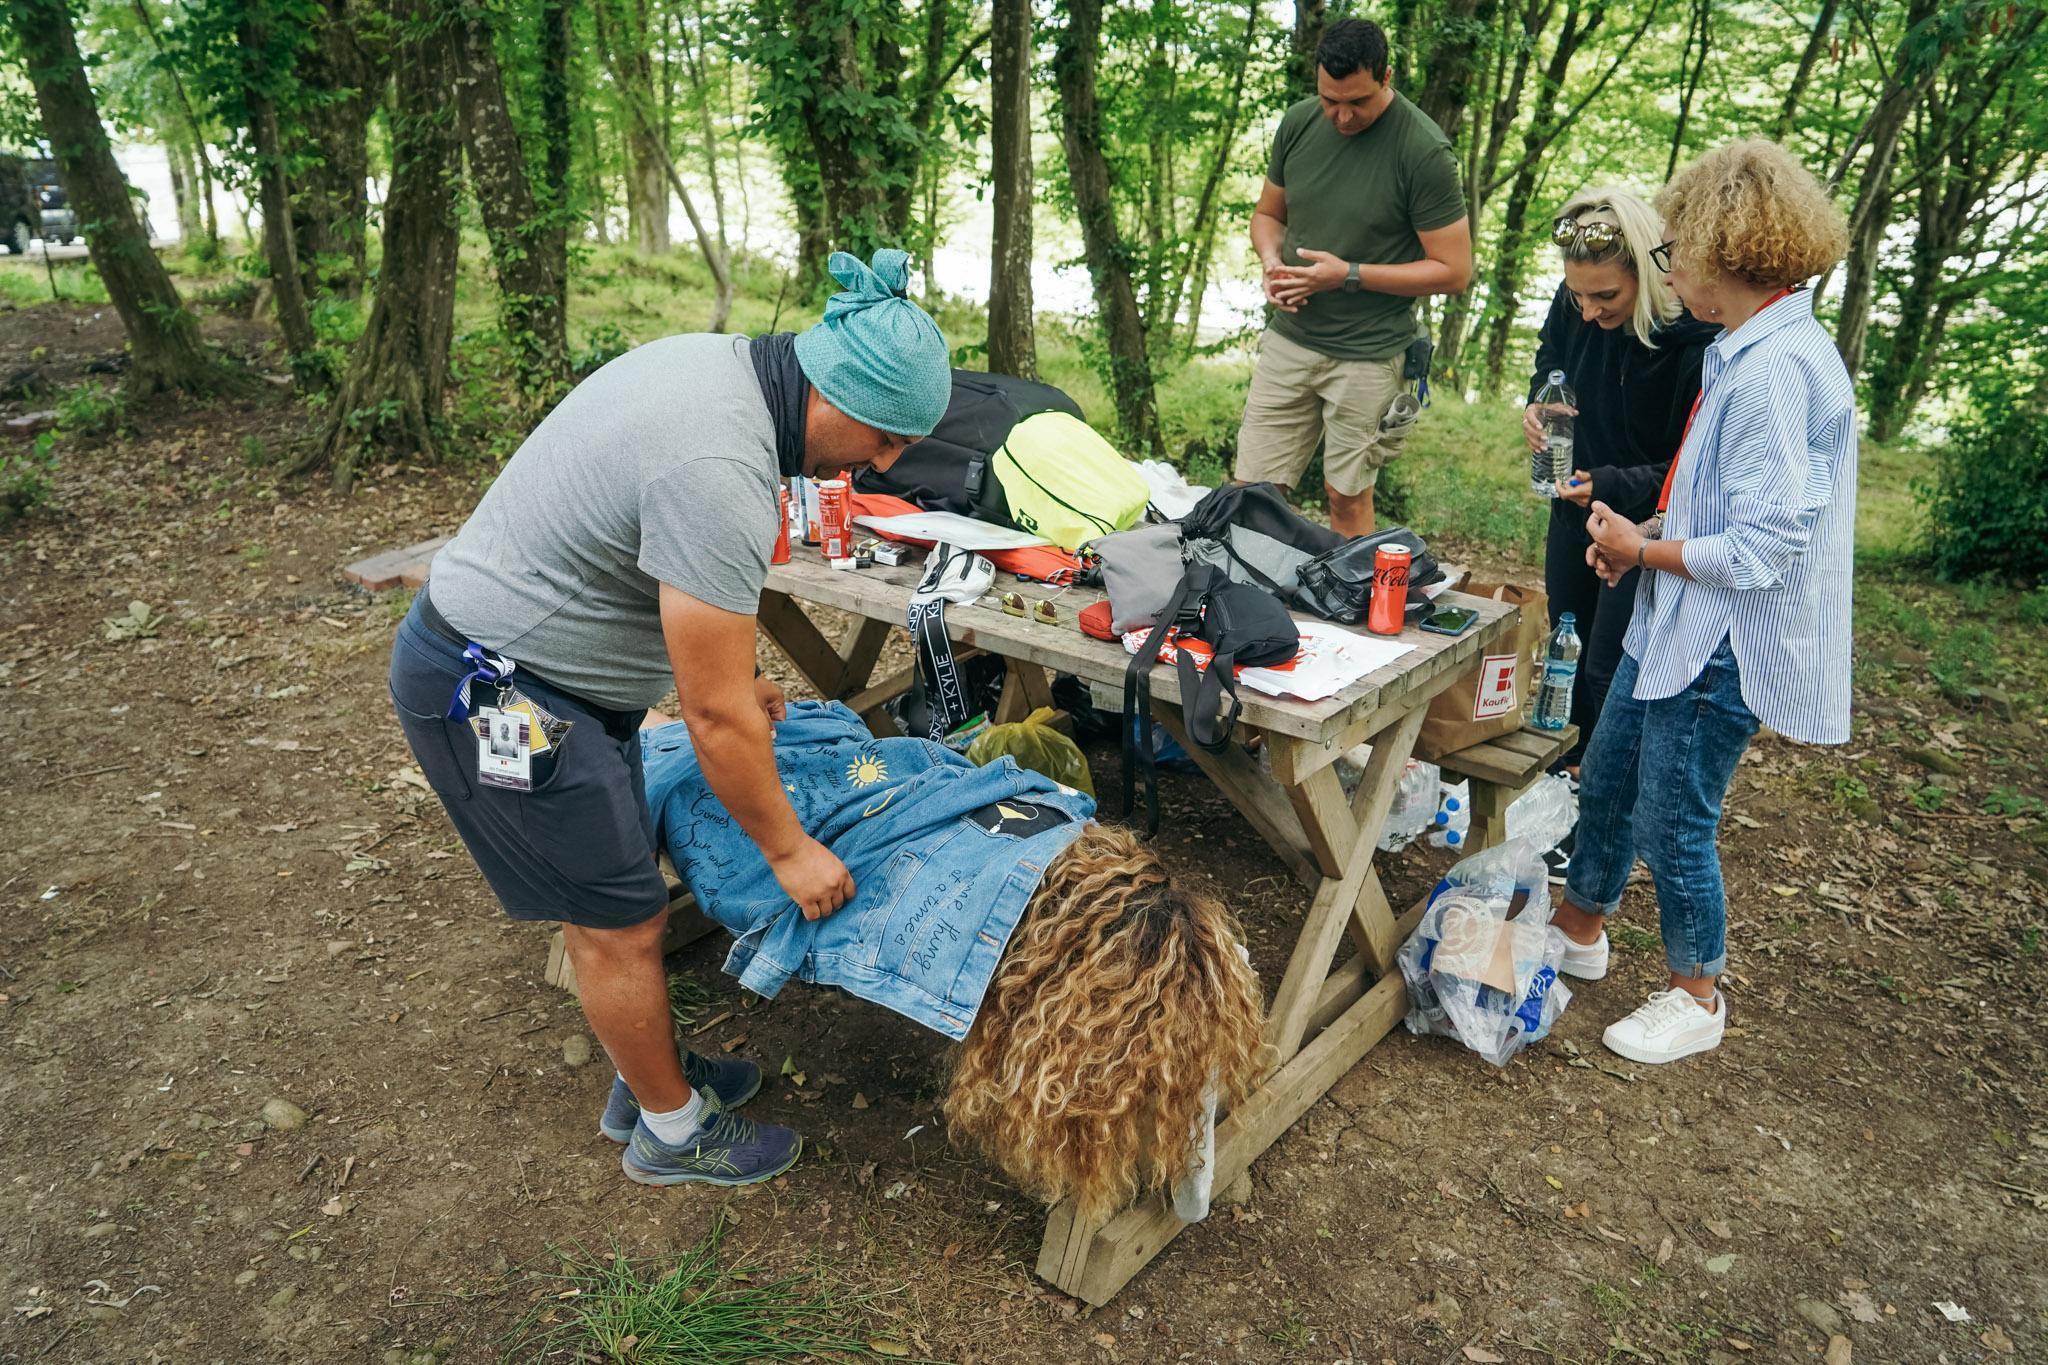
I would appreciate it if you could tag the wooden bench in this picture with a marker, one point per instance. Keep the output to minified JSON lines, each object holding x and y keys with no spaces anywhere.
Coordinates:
{"x":1501,"y":770}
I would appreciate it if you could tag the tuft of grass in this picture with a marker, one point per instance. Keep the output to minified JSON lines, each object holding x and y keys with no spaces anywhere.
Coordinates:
{"x":693,"y":1311}
{"x":686,"y":999}
{"x":91,"y":409}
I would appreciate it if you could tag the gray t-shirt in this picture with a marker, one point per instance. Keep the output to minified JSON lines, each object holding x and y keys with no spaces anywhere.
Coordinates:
{"x":659,"y":468}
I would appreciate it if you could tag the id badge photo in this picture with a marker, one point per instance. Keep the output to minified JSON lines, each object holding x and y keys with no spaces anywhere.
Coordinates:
{"x":504,"y":749}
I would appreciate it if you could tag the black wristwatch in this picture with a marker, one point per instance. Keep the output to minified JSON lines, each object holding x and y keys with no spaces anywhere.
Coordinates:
{"x":1351,"y":284}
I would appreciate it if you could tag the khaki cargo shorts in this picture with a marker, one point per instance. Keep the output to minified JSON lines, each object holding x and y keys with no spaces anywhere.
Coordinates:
{"x":1298,"y":397}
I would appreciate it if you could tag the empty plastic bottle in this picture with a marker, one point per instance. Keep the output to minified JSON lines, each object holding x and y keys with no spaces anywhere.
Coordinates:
{"x":1415,"y":804}
{"x":1553,"y":463}
{"x":1560,"y":671}
{"x":1545,"y":813}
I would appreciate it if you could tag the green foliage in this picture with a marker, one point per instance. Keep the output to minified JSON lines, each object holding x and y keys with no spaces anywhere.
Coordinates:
{"x":1988,"y":506}
{"x":693,"y":1312}
{"x":91,"y":409}
{"x":25,"y":477}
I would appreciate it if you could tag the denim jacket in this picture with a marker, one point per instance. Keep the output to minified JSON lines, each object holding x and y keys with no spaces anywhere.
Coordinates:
{"x":944,"y":857}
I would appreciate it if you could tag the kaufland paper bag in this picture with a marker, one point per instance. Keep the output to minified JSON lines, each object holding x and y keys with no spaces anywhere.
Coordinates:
{"x":1486,"y":703}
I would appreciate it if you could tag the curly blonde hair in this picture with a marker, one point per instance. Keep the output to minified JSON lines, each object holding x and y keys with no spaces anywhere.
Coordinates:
{"x":1750,"y":210}
{"x":1121,"y":996}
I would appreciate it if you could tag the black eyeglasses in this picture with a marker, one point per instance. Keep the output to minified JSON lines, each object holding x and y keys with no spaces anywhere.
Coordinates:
{"x":1660,"y":255}
{"x":1595,"y":239}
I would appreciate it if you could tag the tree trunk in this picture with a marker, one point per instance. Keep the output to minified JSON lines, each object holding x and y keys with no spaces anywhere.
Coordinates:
{"x":398,"y":376}
{"x":557,"y":130}
{"x":1881,"y":131}
{"x":1447,"y":87}
{"x":1816,"y":43}
{"x":642,"y":116}
{"x":203,"y":242}
{"x":695,"y":49}
{"x":280,"y":250}
{"x":527,"y":246}
{"x":1544,"y":127}
{"x":647,"y":187}
{"x":185,"y":190}
{"x":163,"y":339}
{"x":1012,"y":338}
{"x":1700,"y":23}
{"x":1308,"y":31}
{"x":1076,"y":52}
{"x":330,"y":210}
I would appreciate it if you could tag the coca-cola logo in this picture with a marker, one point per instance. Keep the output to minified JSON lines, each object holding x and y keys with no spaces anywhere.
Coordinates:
{"x":1391,"y":576}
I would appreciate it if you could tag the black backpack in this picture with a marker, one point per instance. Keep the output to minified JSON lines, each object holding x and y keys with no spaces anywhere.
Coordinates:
{"x":1251,"y":534}
{"x":1245,"y":625}
{"x":948,"y":471}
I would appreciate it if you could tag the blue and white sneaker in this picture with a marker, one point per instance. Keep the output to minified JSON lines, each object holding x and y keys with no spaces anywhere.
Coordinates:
{"x":733,"y":1079}
{"x":727,"y":1150}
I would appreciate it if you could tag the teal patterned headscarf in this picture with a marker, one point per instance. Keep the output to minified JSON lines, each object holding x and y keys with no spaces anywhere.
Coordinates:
{"x":876,"y":356}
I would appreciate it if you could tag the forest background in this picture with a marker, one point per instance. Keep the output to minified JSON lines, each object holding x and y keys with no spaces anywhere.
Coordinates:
{"x":459,"y":206}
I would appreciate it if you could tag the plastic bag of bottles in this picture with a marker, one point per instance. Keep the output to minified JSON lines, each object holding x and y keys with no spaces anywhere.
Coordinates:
{"x":1481,"y":966}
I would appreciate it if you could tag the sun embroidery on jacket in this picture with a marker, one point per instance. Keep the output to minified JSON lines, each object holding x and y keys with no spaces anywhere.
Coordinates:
{"x":867,"y":770}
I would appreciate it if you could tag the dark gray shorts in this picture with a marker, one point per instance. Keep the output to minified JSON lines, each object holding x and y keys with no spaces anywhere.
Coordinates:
{"x":578,"y":847}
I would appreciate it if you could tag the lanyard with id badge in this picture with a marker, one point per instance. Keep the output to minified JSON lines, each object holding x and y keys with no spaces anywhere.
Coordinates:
{"x":513,"y":730}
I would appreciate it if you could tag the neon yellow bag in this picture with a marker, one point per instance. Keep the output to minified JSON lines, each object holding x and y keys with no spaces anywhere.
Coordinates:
{"x":1035,"y":745}
{"x":1063,"y":481}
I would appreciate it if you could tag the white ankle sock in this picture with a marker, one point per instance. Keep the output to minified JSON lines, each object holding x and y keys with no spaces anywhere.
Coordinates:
{"x":678,"y":1125}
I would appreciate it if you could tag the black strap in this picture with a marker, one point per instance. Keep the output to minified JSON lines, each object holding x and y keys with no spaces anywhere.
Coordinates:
{"x":1199,"y":694}
{"x":1137,"y":714}
{"x":938,"y":674}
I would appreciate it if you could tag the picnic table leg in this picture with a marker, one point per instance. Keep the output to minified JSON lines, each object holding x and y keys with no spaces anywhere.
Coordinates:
{"x":835,"y":672}
{"x":1321,"y":1023}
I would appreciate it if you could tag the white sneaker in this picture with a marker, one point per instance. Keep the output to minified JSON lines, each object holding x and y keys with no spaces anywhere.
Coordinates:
{"x":1667,"y":1026}
{"x":1584,"y":961}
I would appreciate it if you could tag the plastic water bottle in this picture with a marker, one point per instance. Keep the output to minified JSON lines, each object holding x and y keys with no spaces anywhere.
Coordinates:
{"x":1453,"y":820}
{"x":1545,"y":813}
{"x":1415,"y":804}
{"x":1560,"y":671}
{"x":1553,"y":463}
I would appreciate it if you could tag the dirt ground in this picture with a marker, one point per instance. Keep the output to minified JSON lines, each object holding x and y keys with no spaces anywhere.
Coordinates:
{"x":223,"y":889}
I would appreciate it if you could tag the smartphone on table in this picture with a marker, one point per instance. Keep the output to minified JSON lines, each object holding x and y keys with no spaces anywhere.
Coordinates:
{"x":1450,"y":620}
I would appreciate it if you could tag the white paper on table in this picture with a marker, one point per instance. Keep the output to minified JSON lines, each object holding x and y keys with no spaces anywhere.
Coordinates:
{"x":953,"y":529}
{"x":1330,"y":661}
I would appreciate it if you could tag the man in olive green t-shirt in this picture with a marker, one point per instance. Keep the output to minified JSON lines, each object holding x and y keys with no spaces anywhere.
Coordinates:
{"x":1361,"y":215}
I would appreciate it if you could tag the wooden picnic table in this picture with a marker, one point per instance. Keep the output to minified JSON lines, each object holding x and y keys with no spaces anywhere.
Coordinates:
{"x":1321,"y":1020}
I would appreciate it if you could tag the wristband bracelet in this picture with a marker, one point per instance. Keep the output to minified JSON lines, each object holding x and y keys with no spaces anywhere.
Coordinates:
{"x":1639,"y":555}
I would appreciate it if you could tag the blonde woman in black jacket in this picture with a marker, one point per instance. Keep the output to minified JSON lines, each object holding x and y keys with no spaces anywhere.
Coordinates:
{"x":1631,"y":354}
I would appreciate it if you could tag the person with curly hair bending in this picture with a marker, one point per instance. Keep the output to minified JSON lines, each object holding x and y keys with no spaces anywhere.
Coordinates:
{"x":1742,"y":608}
{"x":1104,"y":1008}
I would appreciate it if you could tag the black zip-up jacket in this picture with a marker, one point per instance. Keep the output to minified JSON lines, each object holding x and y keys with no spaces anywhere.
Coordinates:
{"x":1633,"y":401}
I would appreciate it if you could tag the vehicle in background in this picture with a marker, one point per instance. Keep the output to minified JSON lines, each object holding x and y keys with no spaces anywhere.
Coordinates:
{"x":60,"y":220}
{"x":20,"y":210}
{"x":60,"y":223}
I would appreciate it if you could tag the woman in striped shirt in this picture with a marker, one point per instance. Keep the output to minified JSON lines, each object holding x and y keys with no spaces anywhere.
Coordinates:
{"x":1742,"y":611}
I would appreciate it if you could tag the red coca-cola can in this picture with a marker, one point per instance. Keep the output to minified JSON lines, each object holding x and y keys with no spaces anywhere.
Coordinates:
{"x":1389,"y":591}
{"x":835,"y":519}
{"x":781,"y":555}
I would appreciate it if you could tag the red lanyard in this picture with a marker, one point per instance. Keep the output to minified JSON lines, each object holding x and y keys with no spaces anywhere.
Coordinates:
{"x":1664,"y":498}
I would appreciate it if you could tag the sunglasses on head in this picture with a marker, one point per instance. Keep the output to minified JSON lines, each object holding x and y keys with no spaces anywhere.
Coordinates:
{"x":1595,"y":239}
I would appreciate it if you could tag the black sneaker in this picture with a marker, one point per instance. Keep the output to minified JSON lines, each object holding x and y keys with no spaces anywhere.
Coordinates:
{"x":1559,"y":860}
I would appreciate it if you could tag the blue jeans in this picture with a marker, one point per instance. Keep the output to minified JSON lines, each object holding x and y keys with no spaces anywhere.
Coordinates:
{"x":1690,"y":745}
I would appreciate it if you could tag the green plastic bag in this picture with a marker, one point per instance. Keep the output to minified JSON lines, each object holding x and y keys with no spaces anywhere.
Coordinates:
{"x":1035,"y":745}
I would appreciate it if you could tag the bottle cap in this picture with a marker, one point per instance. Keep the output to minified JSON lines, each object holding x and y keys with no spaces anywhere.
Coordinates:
{"x":1557,"y":376}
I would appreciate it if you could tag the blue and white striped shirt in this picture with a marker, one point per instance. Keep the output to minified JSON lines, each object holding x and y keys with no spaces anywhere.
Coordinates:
{"x":1765,"y":501}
